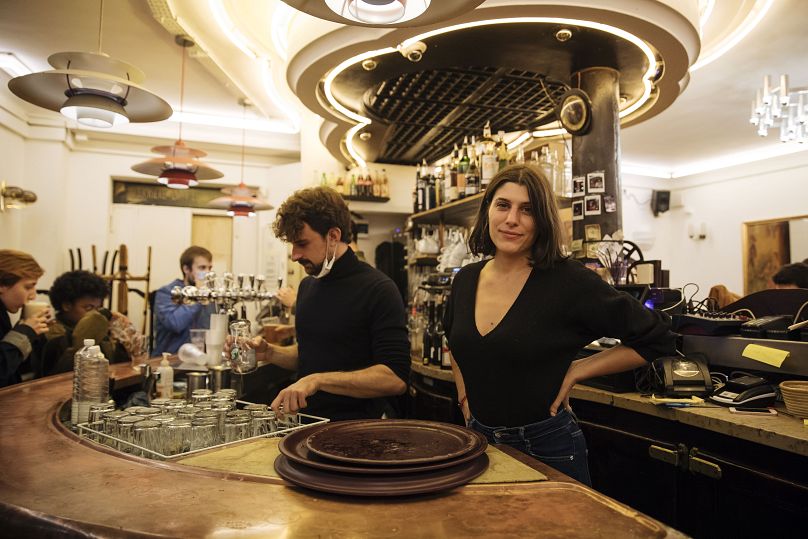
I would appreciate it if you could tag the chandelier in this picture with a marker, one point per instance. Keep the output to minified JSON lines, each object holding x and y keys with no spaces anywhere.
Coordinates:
{"x":781,"y":107}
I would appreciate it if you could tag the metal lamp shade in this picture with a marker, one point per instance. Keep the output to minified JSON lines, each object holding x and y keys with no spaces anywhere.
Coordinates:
{"x":84,"y":81}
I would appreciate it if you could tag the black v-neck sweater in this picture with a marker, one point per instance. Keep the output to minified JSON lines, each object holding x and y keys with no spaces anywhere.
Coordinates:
{"x":513,"y":373}
{"x":349,"y":320}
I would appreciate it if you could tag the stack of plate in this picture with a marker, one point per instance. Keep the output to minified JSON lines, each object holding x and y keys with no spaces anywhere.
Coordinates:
{"x":382,"y":457}
{"x":795,"y":395}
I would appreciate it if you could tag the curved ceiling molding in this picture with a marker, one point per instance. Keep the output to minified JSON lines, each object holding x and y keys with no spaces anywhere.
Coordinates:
{"x":239,"y":58}
{"x":744,"y":19}
{"x":349,"y":64}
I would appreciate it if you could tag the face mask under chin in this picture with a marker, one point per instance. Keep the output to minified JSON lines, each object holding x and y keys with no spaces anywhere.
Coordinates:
{"x":325,"y":269}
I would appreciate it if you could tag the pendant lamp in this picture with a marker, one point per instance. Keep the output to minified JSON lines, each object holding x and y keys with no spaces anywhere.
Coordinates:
{"x":179,"y":167}
{"x":241,"y":201}
{"x":380,"y":13}
{"x":92,"y":88}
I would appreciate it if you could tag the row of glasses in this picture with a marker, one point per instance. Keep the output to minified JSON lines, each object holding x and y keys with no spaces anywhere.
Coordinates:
{"x":174,"y":426}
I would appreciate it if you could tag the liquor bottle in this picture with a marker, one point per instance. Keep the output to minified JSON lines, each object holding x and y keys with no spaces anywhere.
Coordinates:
{"x":368,"y":184}
{"x":520,"y":156}
{"x":428,"y":342}
{"x":473,"y":175}
{"x":431,"y":196}
{"x":340,"y":187}
{"x":354,"y":191}
{"x":377,"y":185}
{"x":489,"y":165}
{"x":462,"y":168}
{"x":548,"y":167}
{"x":452,"y":193}
{"x":385,"y":185}
{"x":437,"y":337}
{"x":420,"y":190}
{"x":534,"y":158}
{"x":502,"y":150}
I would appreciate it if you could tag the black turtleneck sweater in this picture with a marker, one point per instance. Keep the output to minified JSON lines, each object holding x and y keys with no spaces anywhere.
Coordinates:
{"x":349,"y":320}
{"x":513,"y":373}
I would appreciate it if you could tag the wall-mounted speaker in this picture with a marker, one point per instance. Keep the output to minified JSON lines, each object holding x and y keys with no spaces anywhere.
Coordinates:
{"x":660,"y":202}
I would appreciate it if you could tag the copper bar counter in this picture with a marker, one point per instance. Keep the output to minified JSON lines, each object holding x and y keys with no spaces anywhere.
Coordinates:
{"x":55,"y":484}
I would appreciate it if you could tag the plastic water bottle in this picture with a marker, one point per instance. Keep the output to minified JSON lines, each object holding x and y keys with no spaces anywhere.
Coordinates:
{"x":94,"y":381}
{"x":77,"y":363}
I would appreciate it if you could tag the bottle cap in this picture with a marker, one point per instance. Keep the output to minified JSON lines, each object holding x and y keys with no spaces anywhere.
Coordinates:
{"x":164,"y":362}
{"x":89,"y":342}
{"x":94,"y":349}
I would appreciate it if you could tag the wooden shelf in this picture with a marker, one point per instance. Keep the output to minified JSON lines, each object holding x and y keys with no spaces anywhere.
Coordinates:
{"x":459,"y":212}
{"x":424,"y":260}
{"x":462,"y":212}
{"x":358,"y":198}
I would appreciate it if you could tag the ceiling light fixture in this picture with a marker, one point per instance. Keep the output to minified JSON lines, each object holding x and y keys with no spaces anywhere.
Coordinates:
{"x":101,"y":91}
{"x":380,"y":13}
{"x":229,"y":28}
{"x":180,"y":167}
{"x":781,"y":107}
{"x":241,"y":201}
{"x":647,"y":77}
{"x":12,"y":65}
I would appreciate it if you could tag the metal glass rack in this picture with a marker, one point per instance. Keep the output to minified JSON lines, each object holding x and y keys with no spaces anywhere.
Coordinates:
{"x":94,"y":432}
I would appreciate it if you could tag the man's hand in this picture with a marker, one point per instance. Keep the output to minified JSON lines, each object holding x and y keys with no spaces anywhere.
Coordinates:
{"x":287,"y":296}
{"x":293,"y":398}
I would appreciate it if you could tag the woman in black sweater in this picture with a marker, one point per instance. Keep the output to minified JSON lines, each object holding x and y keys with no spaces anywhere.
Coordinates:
{"x":19,"y":273}
{"x":516,"y":321}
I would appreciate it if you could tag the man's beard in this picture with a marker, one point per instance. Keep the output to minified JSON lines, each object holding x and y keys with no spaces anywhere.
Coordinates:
{"x":310,"y":269}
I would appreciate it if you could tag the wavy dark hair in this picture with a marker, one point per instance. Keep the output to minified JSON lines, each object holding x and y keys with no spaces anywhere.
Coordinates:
{"x":74,"y":285}
{"x":796,"y":274}
{"x":321,"y":208}
{"x":548,"y":244}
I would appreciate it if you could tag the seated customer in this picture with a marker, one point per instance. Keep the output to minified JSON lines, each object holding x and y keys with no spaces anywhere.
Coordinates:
{"x":78,"y":297}
{"x":19,"y":273}
{"x":173,"y":322}
{"x":791,"y":276}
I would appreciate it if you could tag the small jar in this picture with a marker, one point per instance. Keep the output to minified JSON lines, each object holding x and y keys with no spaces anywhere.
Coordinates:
{"x":237,"y":428}
{"x":147,"y":436}
{"x":126,"y":430}
{"x":262,"y":423}
{"x":203,"y":432}
{"x":178,"y":437}
{"x":111,"y":426}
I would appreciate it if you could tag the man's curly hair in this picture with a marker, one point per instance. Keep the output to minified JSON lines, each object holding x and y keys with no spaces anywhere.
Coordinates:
{"x":321,"y":208}
{"x":74,"y":285}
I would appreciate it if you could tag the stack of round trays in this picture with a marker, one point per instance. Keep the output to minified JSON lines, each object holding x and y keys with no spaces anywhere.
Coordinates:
{"x":382,"y":457}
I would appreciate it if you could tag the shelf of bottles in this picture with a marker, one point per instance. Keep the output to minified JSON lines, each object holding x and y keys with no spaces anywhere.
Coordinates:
{"x":360,"y":185}
{"x":428,"y":344}
{"x":450,"y":192}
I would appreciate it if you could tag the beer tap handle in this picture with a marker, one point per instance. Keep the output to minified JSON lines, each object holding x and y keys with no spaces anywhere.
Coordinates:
{"x":241,"y":280}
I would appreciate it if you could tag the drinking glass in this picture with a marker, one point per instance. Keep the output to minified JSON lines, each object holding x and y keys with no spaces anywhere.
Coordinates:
{"x":147,"y":434}
{"x":203,"y":432}
{"x":263,"y":423}
{"x":126,"y":429}
{"x":242,"y":357}
{"x":111,"y":425}
{"x":178,"y":436}
{"x":236,"y":428}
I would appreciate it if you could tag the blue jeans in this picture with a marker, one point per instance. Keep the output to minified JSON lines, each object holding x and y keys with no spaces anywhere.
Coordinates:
{"x":557,"y":442}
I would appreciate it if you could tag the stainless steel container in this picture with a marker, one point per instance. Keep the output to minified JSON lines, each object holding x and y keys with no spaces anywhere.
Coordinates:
{"x":218,"y":377}
{"x":196,"y":380}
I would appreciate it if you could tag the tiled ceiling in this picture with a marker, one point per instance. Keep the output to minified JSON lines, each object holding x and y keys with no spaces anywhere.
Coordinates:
{"x":430,"y":111}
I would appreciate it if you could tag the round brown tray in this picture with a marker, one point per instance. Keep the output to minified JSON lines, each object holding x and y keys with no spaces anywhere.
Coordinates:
{"x":391,"y":442}
{"x":380,"y":485}
{"x":294,"y":447}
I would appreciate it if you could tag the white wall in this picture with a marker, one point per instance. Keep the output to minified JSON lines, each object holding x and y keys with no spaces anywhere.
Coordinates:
{"x":12,"y":171}
{"x":722,"y":200}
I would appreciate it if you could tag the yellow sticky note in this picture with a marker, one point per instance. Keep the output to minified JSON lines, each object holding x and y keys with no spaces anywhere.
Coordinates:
{"x":765,"y":354}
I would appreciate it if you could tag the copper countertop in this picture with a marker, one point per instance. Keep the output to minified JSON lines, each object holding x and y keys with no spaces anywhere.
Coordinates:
{"x":53,"y":480}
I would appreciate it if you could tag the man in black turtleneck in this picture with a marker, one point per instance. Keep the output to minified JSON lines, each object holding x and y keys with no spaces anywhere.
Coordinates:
{"x":352,"y":345}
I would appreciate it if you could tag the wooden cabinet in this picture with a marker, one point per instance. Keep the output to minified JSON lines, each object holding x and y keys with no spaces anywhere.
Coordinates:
{"x":703,"y":483}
